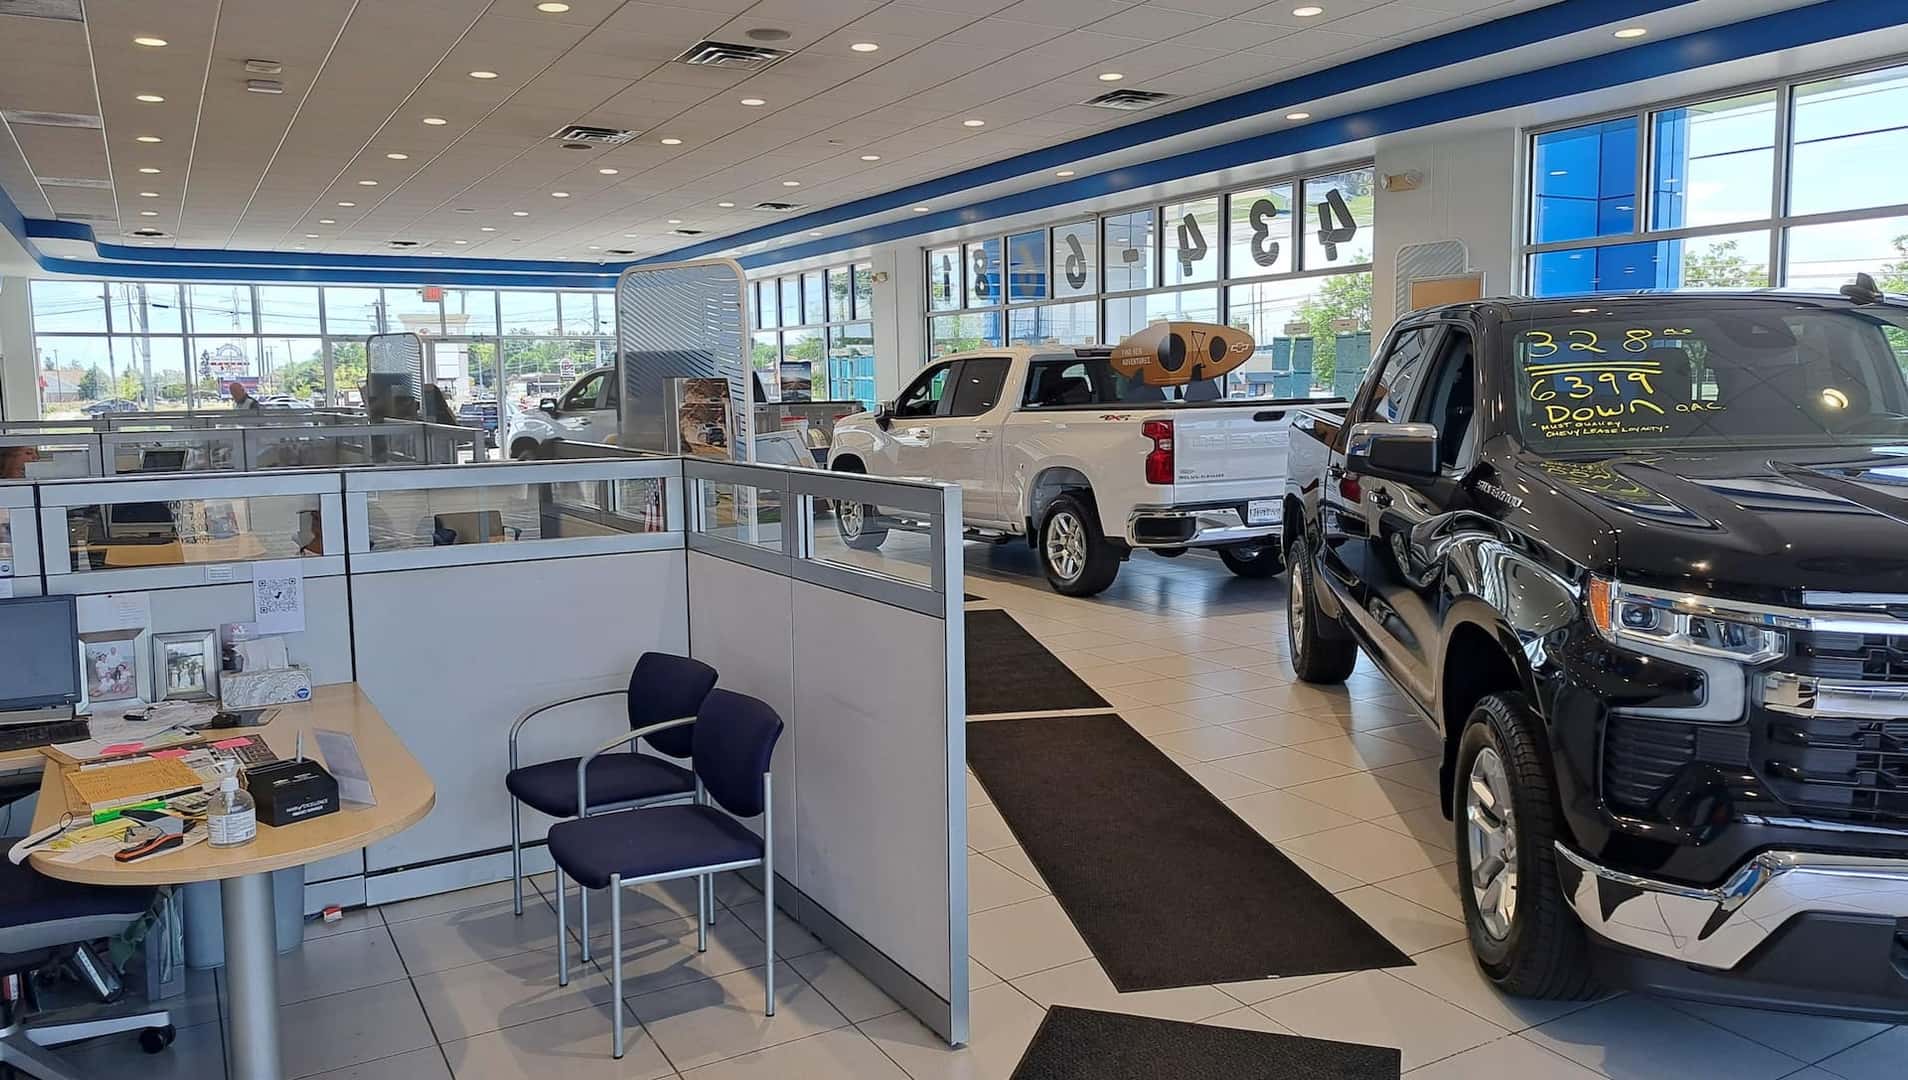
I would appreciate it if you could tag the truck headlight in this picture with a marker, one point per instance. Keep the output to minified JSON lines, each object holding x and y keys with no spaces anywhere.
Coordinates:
{"x":1684,"y":622}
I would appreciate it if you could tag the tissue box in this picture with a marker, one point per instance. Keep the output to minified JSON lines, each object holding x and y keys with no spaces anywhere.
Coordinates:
{"x":256,"y":689}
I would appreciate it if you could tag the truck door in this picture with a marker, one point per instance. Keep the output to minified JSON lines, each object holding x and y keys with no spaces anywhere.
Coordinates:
{"x":1347,"y":513}
{"x":967,"y":448}
{"x":1413,"y":520}
{"x":917,"y":412}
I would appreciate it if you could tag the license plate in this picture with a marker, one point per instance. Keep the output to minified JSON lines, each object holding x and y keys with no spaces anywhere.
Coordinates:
{"x":1263,"y":512}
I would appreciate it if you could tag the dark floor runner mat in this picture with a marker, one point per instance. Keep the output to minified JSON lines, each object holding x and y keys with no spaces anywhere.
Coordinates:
{"x":1009,"y":671}
{"x":1083,"y":1044}
{"x":1166,"y":884}
{"x":973,"y":598}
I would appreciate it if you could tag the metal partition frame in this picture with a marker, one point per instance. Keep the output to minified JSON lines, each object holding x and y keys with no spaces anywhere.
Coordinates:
{"x":90,"y":443}
{"x":232,"y":438}
{"x":57,"y":557}
{"x":359,"y":485}
{"x":23,"y":527}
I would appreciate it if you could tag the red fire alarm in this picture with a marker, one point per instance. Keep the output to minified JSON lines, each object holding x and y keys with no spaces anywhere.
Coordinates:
{"x":432,"y":294}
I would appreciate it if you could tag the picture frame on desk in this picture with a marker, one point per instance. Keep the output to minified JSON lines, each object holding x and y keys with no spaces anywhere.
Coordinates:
{"x":185,"y":666}
{"x":112,"y":672}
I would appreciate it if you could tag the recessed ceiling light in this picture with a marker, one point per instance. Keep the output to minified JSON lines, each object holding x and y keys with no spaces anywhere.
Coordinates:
{"x":675,"y":221}
{"x":753,"y":101}
{"x":1111,"y":76}
{"x":920,"y":209}
{"x":672,"y":142}
{"x":347,"y":204}
{"x":864,"y":46}
{"x":871,"y":157}
{"x":1632,"y":32}
{"x":1064,"y":172}
{"x":1308,"y":11}
{"x":559,"y":194}
{"x":596,"y":247}
{"x":151,"y":42}
{"x":327,"y":221}
{"x":295,"y":247}
{"x":1298,"y":116}
{"x":551,"y":7}
{"x":150,"y":99}
{"x":973,"y":123}
{"x":519,"y":213}
{"x":814,"y":232}
{"x":148,"y":194}
{"x":608,"y":171}
{"x":436,"y":121}
{"x":367,"y":183}
{"x":791,"y":183}
{"x":395,"y":156}
{"x":148,"y":213}
{"x":483,"y":74}
{"x":148,"y":139}
{"x":150,"y":171}
{"x":726,"y":205}
{"x":311,"y":236}
{"x":487,"y":228}
{"x":460,"y":241}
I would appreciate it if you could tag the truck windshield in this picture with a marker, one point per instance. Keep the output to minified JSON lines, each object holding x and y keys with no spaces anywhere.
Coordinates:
{"x":1690,"y":373}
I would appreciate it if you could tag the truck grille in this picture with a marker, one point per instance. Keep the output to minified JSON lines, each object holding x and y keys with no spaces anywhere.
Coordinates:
{"x":1832,"y":739}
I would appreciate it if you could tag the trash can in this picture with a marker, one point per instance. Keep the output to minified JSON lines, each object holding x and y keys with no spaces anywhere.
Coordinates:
{"x":205,"y":917}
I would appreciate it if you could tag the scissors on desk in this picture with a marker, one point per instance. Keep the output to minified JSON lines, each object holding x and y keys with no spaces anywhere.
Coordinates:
{"x":154,"y":832}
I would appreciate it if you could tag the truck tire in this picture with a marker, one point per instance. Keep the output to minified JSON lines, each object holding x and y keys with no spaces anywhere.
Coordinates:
{"x":858,"y":524}
{"x":1322,"y":652}
{"x":1076,"y":555}
{"x":1253,"y":560}
{"x":1526,"y":939}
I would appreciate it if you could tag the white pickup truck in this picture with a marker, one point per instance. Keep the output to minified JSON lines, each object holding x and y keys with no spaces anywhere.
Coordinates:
{"x":1087,"y":462}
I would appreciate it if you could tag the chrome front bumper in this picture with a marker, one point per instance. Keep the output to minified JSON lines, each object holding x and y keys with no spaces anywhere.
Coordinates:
{"x":1717,"y":927}
{"x":1217,"y":527}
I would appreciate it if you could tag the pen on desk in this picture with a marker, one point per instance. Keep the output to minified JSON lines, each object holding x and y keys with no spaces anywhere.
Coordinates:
{"x":301,"y":746}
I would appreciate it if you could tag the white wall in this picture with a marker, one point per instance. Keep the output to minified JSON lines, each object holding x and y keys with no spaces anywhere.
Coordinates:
{"x":19,"y":377}
{"x":1468,"y":192}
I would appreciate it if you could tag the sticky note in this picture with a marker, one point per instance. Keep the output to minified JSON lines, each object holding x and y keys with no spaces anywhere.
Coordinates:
{"x":169,"y":753}
{"x":233,"y":744}
{"x":122,"y":748}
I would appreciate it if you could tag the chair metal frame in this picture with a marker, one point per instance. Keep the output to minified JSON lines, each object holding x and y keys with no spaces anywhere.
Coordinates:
{"x":584,"y":809}
{"x":705,"y":900}
{"x":23,"y":1044}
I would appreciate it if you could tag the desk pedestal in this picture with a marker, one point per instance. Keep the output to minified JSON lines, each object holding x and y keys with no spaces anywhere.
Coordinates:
{"x":251,"y":974}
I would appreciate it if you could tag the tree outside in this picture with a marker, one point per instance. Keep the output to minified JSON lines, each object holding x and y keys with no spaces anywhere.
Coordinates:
{"x":1894,"y":276}
{"x":1722,"y":266}
{"x":1346,"y":296}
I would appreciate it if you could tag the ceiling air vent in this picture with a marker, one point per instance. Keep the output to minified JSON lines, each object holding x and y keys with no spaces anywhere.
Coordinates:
{"x":88,"y":217}
{"x":599,"y":136}
{"x":730,"y":55}
{"x":62,"y":10}
{"x":622,"y":251}
{"x":404,"y":243}
{"x":779,"y":207}
{"x":49,"y":119}
{"x":687,"y":232}
{"x":74,"y":181}
{"x":1128,"y":100}
{"x":147,"y":234}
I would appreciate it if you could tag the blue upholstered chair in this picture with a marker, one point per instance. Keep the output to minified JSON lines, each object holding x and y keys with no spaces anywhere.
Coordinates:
{"x":39,"y":918}
{"x":734,"y":741}
{"x":664,"y":693}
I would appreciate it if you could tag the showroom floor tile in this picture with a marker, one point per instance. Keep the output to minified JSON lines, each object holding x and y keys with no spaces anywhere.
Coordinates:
{"x":1340,"y":779}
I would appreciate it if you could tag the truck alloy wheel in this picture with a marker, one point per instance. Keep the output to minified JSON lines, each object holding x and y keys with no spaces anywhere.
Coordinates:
{"x":1066,"y":545}
{"x":1077,"y":557}
{"x":859,"y":525}
{"x":1491,"y":819}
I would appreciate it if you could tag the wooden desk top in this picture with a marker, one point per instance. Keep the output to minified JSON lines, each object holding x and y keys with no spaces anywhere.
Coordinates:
{"x":403,"y":790}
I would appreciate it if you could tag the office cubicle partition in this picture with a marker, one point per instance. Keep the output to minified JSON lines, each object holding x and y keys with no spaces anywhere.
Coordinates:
{"x":460,"y":596}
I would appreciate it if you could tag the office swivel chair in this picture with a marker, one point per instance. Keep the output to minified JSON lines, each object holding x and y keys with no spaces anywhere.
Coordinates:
{"x":40,"y":917}
{"x":662,"y":688}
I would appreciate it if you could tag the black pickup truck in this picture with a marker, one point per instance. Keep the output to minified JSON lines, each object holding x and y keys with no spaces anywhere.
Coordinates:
{"x":1642,"y":560}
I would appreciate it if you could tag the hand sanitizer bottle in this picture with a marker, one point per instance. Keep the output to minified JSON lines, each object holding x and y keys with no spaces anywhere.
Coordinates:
{"x":232,"y":818}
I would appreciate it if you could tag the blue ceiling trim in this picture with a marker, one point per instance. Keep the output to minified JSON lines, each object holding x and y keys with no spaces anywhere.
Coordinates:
{"x":1753,"y":37}
{"x":1459,"y":46}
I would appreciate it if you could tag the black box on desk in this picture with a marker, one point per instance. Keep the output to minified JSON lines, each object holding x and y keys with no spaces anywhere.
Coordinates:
{"x":288,"y":792}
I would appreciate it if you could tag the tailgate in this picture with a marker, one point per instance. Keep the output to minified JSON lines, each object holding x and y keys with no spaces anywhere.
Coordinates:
{"x":1230,"y":453}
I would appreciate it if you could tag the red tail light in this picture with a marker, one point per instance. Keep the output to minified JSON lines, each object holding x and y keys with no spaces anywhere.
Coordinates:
{"x":1159,"y":460}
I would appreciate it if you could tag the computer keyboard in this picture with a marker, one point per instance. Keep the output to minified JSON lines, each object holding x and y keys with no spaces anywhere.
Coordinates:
{"x":34,"y":736}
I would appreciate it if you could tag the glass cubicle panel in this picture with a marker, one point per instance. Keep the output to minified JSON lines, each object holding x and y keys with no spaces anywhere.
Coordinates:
{"x":739,"y":512}
{"x":875,"y":537}
{"x":137,"y":453}
{"x":411,"y":518}
{"x":330,"y":448}
{"x":49,"y":455}
{"x":182,"y":532}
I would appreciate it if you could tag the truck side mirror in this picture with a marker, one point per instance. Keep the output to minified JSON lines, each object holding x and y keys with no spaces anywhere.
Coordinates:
{"x":884,"y":415}
{"x":1400,"y":450}
{"x":548,"y":405}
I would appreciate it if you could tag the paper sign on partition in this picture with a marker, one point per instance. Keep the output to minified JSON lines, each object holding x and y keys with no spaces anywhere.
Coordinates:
{"x":278,"y":596}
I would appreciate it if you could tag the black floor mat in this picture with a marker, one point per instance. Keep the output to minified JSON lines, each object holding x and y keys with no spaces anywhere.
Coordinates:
{"x":1166,"y":884}
{"x":1009,"y":671}
{"x":1083,"y":1044}
{"x":972,"y":598}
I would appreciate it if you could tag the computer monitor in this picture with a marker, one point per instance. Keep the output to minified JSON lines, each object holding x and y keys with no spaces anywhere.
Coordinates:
{"x":42,"y":668}
{"x":164,"y":460}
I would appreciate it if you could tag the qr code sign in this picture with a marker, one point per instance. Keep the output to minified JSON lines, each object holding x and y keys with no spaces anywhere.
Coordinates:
{"x":279,"y":596}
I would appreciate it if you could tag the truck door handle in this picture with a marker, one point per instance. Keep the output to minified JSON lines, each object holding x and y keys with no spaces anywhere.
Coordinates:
{"x":1334,"y":471}
{"x":920,"y":433}
{"x":983,"y":435}
{"x":1380,"y":497}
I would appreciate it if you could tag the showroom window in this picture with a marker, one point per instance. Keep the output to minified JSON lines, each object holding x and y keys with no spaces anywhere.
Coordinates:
{"x":121,"y":345}
{"x":1289,"y":260}
{"x":813,"y":332}
{"x":1796,"y":184}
